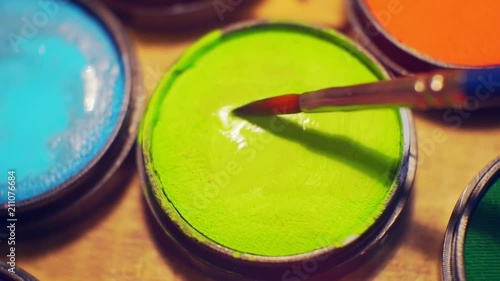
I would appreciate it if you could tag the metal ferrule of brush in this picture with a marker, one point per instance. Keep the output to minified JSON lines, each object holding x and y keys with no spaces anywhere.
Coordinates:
{"x":439,"y":90}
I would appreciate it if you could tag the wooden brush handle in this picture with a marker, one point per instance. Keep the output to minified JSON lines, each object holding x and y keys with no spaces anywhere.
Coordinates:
{"x":443,"y":89}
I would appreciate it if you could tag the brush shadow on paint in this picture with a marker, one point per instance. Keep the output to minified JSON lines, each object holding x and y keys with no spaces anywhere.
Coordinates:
{"x":180,"y":261}
{"x":334,"y":146}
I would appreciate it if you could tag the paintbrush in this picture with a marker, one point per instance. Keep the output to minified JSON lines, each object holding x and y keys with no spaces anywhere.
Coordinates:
{"x":471,"y":89}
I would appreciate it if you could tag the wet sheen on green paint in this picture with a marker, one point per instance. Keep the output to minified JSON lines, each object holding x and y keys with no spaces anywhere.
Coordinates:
{"x":482,"y":240}
{"x":269,"y":186}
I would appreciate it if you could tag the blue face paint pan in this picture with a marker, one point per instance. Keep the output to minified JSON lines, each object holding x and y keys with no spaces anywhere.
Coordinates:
{"x":69,"y":106}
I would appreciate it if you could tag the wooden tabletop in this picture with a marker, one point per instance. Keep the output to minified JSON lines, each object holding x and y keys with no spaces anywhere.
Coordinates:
{"x":117,"y":242}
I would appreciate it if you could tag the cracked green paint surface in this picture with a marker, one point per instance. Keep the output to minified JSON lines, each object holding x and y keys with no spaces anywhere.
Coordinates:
{"x":269,"y":186}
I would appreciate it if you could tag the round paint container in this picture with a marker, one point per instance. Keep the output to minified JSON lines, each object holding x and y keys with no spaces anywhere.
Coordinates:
{"x":69,"y":110}
{"x":7,"y":273}
{"x":418,"y":36}
{"x":471,"y":246}
{"x":257,"y":197}
{"x":156,"y":14}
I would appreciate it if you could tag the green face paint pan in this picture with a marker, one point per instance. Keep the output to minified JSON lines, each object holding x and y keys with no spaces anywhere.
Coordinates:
{"x":471,"y":248}
{"x":255,"y":197}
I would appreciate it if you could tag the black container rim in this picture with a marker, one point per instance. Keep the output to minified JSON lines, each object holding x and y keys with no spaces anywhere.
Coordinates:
{"x":454,"y":240}
{"x":245,"y":264}
{"x":14,"y":273}
{"x":122,"y":138}
{"x":409,"y":61}
{"x":165,"y":15}
{"x":167,"y":9}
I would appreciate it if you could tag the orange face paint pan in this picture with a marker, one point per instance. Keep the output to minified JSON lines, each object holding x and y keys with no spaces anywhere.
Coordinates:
{"x":419,"y":36}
